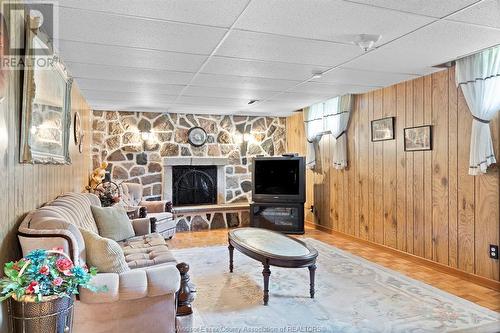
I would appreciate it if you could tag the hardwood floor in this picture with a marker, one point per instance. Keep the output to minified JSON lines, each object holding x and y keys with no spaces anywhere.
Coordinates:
{"x":475,"y":293}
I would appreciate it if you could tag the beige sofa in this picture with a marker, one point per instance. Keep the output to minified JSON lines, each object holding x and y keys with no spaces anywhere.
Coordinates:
{"x":142,"y":299}
{"x":163,"y":219}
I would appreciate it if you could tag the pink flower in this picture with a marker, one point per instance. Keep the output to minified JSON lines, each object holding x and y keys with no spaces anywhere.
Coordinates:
{"x":64,"y":265}
{"x":57,"y":281}
{"x":32,"y":288}
{"x":67,"y":272}
{"x":44,"y":270}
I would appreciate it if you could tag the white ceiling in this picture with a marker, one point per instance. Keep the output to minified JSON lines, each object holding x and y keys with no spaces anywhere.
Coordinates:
{"x":213,"y":56}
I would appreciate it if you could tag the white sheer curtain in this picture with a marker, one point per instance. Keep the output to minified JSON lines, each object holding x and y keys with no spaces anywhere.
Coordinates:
{"x":479,"y":77}
{"x":313,"y":122}
{"x":336,"y":118}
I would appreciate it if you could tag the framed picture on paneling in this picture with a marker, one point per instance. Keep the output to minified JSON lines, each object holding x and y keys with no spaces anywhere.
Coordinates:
{"x":418,"y":138}
{"x":382,"y":129}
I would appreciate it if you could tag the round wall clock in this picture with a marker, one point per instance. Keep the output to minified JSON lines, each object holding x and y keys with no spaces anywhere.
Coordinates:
{"x":197,"y":136}
{"x":77,"y":129}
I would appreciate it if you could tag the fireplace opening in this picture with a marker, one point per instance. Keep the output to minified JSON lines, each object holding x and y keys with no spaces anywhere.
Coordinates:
{"x":194,"y":185}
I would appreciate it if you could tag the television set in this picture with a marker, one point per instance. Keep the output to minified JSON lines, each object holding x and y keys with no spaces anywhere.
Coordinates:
{"x":278,"y":179}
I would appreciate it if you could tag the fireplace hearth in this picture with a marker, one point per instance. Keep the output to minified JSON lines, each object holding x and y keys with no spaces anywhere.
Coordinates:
{"x":194,"y":185}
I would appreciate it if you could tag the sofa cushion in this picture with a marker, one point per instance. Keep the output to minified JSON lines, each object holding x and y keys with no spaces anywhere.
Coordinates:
{"x":113,"y":222}
{"x":146,"y":251}
{"x":148,"y":240}
{"x":104,"y":253}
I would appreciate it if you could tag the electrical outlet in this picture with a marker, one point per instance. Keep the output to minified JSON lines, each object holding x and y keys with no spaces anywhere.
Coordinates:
{"x":493,"y":251}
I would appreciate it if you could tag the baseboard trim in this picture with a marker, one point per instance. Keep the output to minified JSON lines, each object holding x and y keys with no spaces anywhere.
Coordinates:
{"x":480,"y":280}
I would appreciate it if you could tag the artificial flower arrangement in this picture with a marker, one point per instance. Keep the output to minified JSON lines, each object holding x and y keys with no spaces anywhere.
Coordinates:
{"x":45,"y":273}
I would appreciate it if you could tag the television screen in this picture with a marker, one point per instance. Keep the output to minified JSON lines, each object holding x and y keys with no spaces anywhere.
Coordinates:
{"x":277,"y":177}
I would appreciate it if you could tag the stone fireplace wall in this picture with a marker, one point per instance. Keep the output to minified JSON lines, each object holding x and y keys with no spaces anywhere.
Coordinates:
{"x":117,"y":140}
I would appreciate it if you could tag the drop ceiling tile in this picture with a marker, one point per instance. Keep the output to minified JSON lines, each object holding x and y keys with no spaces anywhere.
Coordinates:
{"x":242,"y":82}
{"x":96,"y":27}
{"x":129,"y":57}
{"x":190,"y":108}
{"x":432,"y":8}
{"x":127,"y":96}
{"x":485,"y":13}
{"x":332,"y":89}
{"x":301,"y":98}
{"x":116,"y":95}
{"x":282,"y":107}
{"x":286,"y":106}
{"x":433,"y":45}
{"x":247,"y":94}
{"x":358,"y":77}
{"x":209,"y":12}
{"x":261,"y":46}
{"x":128,"y":86}
{"x":211,"y":101}
{"x":129,"y":63}
{"x":128,"y":106}
{"x":273,"y":70}
{"x":327,"y":19}
{"x":79,"y":70}
{"x":270,"y":112}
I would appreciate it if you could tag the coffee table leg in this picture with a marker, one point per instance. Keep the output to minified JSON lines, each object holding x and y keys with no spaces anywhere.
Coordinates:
{"x":231,"y":251}
{"x":312,"y":271}
{"x":266,"y":273}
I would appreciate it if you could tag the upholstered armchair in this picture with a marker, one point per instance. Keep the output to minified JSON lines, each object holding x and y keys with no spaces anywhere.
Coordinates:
{"x":160,"y":212}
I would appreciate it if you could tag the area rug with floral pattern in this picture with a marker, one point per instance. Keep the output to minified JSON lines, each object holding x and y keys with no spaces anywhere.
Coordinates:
{"x":352,"y":295}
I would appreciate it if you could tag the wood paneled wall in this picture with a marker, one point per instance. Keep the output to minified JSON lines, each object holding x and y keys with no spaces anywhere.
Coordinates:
{"x":423,"y":203}
{"x":24,"y":187}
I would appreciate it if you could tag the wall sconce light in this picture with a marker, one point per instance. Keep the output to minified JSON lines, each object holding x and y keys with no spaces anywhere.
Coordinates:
{"x":238,"y":138}
{"x":147,"y":136}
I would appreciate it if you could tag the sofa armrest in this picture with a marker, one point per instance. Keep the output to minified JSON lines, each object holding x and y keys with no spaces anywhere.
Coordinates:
{"x":134,"y":284}
{"x":109,"y":280}
{"x":163,"y":279}
{"x":47,"y":233}
{"x":142,"y":226}
{"x":156,"y":206}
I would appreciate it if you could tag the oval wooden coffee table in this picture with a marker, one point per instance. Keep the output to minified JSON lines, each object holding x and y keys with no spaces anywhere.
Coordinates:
{"x":273,"y":249}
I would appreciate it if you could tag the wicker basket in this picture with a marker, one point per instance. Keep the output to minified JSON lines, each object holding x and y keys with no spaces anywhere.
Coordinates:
{"x":52,"y":315}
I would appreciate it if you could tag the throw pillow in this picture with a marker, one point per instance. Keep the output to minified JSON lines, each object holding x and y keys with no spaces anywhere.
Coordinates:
{"x":113,"y":222}
{"x":103,"y":253}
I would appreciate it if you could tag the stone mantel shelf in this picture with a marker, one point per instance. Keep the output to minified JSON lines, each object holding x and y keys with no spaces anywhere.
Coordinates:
{"x":174,"y":161}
